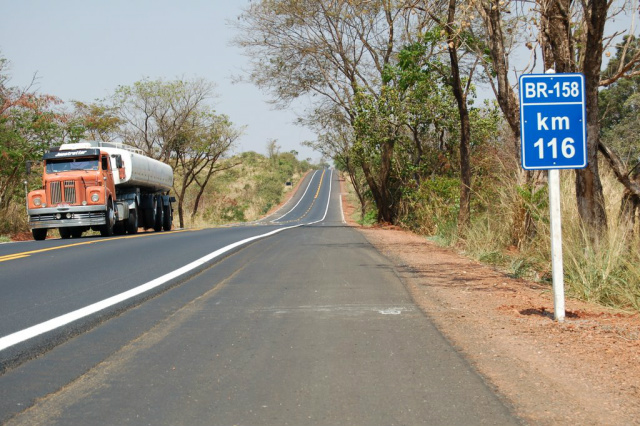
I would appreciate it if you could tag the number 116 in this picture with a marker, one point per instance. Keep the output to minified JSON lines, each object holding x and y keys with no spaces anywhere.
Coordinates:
{"x":567,"y":148}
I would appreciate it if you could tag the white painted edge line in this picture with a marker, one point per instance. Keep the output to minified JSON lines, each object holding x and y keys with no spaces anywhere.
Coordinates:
{"x":52,"y":324}
{"x":328,"y":202}
{"x":341,"y":208}
{"x":301,"y":198}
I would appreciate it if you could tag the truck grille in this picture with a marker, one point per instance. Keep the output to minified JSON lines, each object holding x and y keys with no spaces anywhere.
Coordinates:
{"x":55,"y":191}
{"x":70,"y":191}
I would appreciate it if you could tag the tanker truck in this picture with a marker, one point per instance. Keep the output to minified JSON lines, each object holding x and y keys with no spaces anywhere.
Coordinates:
{"x":107,"y":187}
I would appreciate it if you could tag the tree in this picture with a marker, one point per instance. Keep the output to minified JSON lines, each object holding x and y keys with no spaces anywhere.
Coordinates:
{"x":571,"y":38}
{"x":453,"y":29}
{"x":30,"y":123}
{"x":501,"y":34}
{"x":206,"y":138}
{"x":273,"y":150}
{"x":173,"y":122}
{"x":378,"y":128}
{"x":154,"y":113}
{"x":620,"y":105}
{"x":100,"y":122}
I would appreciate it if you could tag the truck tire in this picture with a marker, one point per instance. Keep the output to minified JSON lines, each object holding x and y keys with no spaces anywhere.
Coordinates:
{"x":166,"y":223}
{"x":106,"y":230}
{"x":132,"y":222}
{"x":159,"y":215}
{"x":65,"y":233}
{"x":39,"y":234}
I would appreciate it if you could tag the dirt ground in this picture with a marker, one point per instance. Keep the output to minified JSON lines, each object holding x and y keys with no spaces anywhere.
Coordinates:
{"x":585,"y":371}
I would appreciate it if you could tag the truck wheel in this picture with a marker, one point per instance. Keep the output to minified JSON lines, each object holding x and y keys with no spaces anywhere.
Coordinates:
{"x":76,"y":232}
{"x":106,"y":230}
{"x":132,"y":222}
{"x":39,"y":234}
{"x":166,"y":223}
{"x":159,"y":216}
{"x":65,"y":233}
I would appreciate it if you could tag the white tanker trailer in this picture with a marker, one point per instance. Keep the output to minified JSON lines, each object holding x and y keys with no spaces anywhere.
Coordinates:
{"x":108,"y":187}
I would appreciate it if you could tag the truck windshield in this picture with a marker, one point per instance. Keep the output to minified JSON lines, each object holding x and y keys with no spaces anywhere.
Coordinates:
{"x":71,"y":164}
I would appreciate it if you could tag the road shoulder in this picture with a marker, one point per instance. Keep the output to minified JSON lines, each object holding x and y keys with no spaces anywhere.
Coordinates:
{"x":585,"y":371}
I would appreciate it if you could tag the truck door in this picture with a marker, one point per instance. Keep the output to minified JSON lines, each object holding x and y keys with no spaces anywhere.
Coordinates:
{"x":107,"y":175}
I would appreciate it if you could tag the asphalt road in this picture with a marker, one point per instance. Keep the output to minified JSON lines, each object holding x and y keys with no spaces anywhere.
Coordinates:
{"x":303,"y":322}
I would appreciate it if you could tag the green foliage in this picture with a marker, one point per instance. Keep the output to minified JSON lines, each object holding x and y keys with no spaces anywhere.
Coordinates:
{"x":619,"y":106}
{"x":269,"y":189}
{"x":433,"y":208}
{"x":370,"y":218}
{"x":30,"y":123}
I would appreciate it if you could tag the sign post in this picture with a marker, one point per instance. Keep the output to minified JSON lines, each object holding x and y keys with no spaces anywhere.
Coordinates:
{"x":554,"y":136}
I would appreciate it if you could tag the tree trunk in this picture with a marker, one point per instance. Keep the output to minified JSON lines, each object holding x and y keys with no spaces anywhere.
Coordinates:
{"x":524,"y":228}
{"x":379,"y":185}
{"x":589,"y":191}
{"x":628,"y":211}
{"x":202,"y":187}
{"x":464,"y":216}
{"x":380,"y":191}
{"x":356,"y":185}
{"x":555,"y":34}
{"x":183,"y":191}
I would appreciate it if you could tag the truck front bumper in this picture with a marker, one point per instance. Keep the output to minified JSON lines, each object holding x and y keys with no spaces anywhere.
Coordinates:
{"x":66,"y":217}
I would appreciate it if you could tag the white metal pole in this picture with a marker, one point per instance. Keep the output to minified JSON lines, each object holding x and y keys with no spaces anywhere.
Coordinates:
{"x":556,"y":245}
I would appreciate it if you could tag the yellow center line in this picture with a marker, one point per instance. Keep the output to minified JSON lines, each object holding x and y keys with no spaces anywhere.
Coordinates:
{"x":29,"y":253}
{"x":12,"y":257}
{"x":320,"y":184}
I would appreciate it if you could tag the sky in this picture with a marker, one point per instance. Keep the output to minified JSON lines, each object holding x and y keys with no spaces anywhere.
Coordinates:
{"x":84,"y":49}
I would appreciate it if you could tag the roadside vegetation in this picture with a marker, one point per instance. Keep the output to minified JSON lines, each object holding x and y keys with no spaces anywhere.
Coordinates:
{"x":395,"y":89}
{"x":249,"y":188}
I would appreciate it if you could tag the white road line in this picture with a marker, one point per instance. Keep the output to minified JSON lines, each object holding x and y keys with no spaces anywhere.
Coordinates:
{"x":341,"y":209}
{"x":52,"y":324}
{"x":36,"y":330}
{"x":328,"y":198}
{"x":301,"y":198}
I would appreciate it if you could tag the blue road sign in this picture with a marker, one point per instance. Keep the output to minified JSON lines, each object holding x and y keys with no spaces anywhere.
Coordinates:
{"x":553,"y":121}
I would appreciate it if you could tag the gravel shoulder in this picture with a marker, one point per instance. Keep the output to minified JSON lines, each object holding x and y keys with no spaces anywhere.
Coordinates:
{"x":584,"y":371}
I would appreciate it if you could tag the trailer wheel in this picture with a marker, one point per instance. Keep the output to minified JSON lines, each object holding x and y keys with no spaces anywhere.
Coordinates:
{"x":39,"y":234}
{"x":106,"y":230}
{"x":159,"y":215}
{"x":132,"y":222}
{"x":65,"y":233}
{"x":166,"y":223}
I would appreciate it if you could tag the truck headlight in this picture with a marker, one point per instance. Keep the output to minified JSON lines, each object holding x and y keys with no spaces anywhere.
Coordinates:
{"x":95,"y":197}
{"x":37,"y":201}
